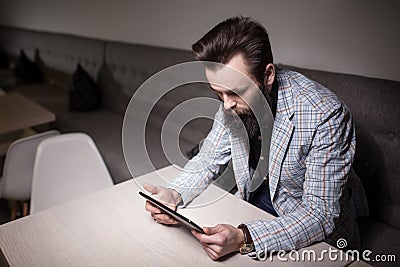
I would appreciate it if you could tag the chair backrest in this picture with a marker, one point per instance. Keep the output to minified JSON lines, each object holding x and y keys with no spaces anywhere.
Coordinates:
{"x":66,"y":167}
{"x":16,"y":183}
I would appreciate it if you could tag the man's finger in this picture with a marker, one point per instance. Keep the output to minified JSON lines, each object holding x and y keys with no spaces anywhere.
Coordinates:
{"x":151,"y":208}
{"x":151,"y":188}
{"x":172,"y":221}
{"x":162,"y":217}
{"x":197,"y":234}
{"x":166,"y":222}
{"x":205,"y":239}
{"x":210,"y":252}
{"x":212,"y":230}
{"x":216,"y":248}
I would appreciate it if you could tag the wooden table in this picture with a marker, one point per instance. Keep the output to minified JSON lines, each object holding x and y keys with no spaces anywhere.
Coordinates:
{"x":17,"y":115}
{"x":111,"y":228}
{"x":18,"y":112}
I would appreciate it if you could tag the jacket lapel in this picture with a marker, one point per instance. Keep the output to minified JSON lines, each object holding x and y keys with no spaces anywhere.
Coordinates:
{"x":240,"y":156}
{"x":282,"y":131}
{"x":281,"y":135}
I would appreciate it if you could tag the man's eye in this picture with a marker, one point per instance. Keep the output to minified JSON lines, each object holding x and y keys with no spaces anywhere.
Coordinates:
{"x":230,"y":94}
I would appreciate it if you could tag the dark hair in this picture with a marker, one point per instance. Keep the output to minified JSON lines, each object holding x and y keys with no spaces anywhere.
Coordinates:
{"x":237,"y":35}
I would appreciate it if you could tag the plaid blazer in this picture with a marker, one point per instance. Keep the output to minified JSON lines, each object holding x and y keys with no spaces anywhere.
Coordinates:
{"x":311,"y":152}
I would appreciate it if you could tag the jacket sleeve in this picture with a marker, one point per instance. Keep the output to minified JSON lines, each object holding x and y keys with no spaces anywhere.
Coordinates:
{"x":327,"y":166}
{"x":199,"y":172}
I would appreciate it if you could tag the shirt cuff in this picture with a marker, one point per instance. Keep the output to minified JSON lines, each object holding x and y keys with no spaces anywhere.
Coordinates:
{"x":184,"y":196}
{"x":259,"y":247}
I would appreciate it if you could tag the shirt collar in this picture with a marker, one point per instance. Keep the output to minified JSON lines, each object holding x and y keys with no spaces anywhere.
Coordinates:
{"x":285,"y":104}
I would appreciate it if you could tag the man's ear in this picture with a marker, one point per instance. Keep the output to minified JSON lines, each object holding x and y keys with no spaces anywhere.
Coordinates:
{"x":269,"y":76}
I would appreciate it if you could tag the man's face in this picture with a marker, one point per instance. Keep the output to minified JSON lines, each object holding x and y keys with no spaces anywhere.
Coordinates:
{"x":232,"y":88}
{"x":237,"y":88}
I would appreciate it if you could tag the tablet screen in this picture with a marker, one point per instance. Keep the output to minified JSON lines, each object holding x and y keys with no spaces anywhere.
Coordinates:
{"x":173,"y":213}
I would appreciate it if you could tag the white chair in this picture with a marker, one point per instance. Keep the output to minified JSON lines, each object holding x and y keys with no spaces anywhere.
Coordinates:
{"x":16,"y":182}
{"x":67,"y":166}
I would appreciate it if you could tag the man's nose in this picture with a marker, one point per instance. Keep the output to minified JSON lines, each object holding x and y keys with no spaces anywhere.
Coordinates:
{"x":229,"y":103}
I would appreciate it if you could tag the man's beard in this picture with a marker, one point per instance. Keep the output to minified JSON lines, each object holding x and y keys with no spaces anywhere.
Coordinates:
{"x":245,"y":117}
{"x":251,"y":124}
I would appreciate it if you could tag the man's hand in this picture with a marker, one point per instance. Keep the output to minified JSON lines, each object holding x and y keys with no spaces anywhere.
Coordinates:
{"x":167,"y":196}
{"x":220,"y":240}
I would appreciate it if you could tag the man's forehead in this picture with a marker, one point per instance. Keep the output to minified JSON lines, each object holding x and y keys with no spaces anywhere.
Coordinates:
{"x":227,"y":78}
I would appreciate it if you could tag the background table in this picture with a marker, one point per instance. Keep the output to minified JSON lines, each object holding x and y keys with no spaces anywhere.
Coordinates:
{"x":111,"y":228}
{"x":18,"y":112}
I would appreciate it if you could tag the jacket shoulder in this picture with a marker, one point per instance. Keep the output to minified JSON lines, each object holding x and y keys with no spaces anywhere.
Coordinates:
{"x":310,"y":94}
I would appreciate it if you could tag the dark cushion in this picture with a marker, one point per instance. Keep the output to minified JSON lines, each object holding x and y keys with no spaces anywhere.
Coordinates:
{"x":27,"y":71}
{"x":380,"y":238}
{"x":4,"y":63}
{"x":359,"y":197}
{"x":111,"y":90}
{"x":7,"y":78}
{"x":84,"y":94}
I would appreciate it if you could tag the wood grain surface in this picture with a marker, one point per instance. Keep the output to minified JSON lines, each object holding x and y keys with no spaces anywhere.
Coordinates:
{"x":111,"y":228}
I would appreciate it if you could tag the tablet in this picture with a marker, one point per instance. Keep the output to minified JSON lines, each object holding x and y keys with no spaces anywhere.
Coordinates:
{"x":173,"y":213}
